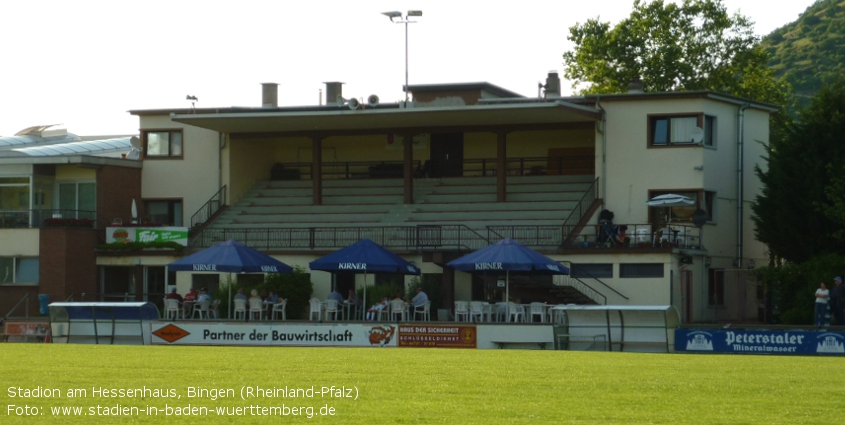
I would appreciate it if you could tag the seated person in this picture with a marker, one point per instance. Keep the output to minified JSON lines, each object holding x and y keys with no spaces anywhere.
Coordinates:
{"x":253,"y":296}
{"x":335,"y":295}
{"x":192,"y":295}
{"x":173,"y":295}
{"x":373,"y":312}
{"x":353,"y":298}
{"x":398,"y":296}
{"x":272,"y":298}
{"x":419,"y":300}
{"x":204,"y":295}
{"x":240,"y":295}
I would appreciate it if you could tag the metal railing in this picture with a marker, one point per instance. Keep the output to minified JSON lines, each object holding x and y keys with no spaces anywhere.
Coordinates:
{"x":36,"y":219}
{"x":527,"y":166}
{"x":577,"y":284}
{"x":571,"y":222}
{"x":341,"y":170}
{"x":217,"y":201}
{"x":547,"y":236}
{"x":26,"y":308}
{"x":458,"y":237}
{"x":468,"y":168}
{"x":592,"y":276}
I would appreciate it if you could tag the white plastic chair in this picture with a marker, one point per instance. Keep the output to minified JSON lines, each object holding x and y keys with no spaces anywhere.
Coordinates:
{"x":476,"y":310}
{"x":333,"y":308}
{"x":501,"y":311}
{"x":215,"y":309}
{"x":255,"y":309}
{"x":424,"y":311}
{"x":516,"y":313}
{"x":398,"y":307}
{"x":171,"y":308}
{"x":279,"y":308}
{"x":201,"y":309}
{"x":316,"y":309}
{"x":538,"y":309}
{"x":240,"y":309}
{"x":384,"y":314}
{"x":461,"y":309}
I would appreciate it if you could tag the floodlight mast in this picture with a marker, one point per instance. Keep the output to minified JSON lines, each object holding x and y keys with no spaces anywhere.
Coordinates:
{"x":404,"y":20}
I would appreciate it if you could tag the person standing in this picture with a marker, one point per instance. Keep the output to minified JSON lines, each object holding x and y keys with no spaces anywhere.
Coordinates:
{"x":822,"y":295}
{"x":837,"y":301}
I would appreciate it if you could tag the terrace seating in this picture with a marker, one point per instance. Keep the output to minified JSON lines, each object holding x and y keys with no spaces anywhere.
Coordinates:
{"x":171,"y":308}
{"x":240,"y":309}
{"x":279,"y":310}
{"x":424,"y":312}
{"x":256,"y":307}
{"x":201,"y":309}
{"x":469,"y":201}
{"x":461,"y":309}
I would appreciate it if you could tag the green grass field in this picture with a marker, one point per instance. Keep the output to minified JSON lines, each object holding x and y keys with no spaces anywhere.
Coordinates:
{"x":422,"y":386}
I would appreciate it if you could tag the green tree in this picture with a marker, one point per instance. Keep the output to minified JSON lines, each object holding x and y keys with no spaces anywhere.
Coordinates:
{"x":799,"y":213}
{"x":696,"y":45}
{"x":792,"y":286}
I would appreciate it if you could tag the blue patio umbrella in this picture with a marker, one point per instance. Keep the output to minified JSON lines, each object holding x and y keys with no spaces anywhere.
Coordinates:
{"x":507,"y":256}
{"x":362,"y":257}
{"x":230,"y":256}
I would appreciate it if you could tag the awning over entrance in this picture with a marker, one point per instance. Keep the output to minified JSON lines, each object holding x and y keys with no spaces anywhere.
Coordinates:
{"x":297,"y":121}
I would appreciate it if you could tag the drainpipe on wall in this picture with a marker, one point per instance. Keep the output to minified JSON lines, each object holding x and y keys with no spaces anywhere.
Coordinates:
{"x":602,"y":129}
{"x":222,"y":143}
{"x":739,"y":181}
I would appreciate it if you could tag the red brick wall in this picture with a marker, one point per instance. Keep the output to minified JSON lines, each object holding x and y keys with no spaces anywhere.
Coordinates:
{"x":10,"y":295}
{"x":116,"y":188}
{"x":68,"y":264}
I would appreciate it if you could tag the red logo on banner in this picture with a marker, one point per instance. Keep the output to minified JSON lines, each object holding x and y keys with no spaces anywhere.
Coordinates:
{"x":171,"y":333}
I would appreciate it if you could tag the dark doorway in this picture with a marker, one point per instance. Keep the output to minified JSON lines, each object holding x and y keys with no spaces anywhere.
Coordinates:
{"x":344,"y":282}
{"x":447,"y":155}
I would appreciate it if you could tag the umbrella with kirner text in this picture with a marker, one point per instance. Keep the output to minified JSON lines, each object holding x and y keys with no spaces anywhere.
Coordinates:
{"x":507,"y":256}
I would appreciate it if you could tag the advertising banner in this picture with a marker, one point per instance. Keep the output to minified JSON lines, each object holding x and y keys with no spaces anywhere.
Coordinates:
{"x":147,"y":234}
{"x":274,"y":334}
{"x":437,"y":336}
{"x":759,"y":342}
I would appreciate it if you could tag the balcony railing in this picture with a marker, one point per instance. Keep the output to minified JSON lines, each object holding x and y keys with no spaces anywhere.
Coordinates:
{"x":211,"y":207}
{"x":430,"y":168}
{"x":449,"y":237}
{"x":455,"y":237}
{"x":36,"y":219}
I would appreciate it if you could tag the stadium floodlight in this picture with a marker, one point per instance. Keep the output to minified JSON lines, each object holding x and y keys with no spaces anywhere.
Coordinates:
{"x":404,"y":20}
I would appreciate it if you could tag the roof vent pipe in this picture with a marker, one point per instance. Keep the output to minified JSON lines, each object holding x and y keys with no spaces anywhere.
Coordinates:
{"x":269,"y":95}
{"x":636,"y":85}
{"x":334,"y":89}
{"x":552,"y":85}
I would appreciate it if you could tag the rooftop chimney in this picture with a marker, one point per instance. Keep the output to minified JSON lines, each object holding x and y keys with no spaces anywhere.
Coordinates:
{"x":269,"y":95}
{"x":333,"y":90}
{"x":636,"y":85}
{"x":552,"y":85}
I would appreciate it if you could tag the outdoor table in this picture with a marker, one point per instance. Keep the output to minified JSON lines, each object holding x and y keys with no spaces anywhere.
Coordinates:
{"x":188,"y":309}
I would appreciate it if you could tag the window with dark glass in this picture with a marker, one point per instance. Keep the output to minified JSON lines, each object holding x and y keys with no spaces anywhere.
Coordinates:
{"x":167,"y":213}
{"x":18,"y":270}
{"x":163,"y":144}
{"x":591,"y":271}
{"x":636,"y":270}
{"x":709,"y":131}
{"x":681,"y":130}
{"x":715,"y":287}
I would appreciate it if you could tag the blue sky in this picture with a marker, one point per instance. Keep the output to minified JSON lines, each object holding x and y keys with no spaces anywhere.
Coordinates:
{"x":85,"y":63}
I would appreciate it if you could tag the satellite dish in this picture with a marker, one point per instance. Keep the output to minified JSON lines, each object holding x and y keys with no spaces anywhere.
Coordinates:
{"x":699,"y":217}
{"x":697,"y":135}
